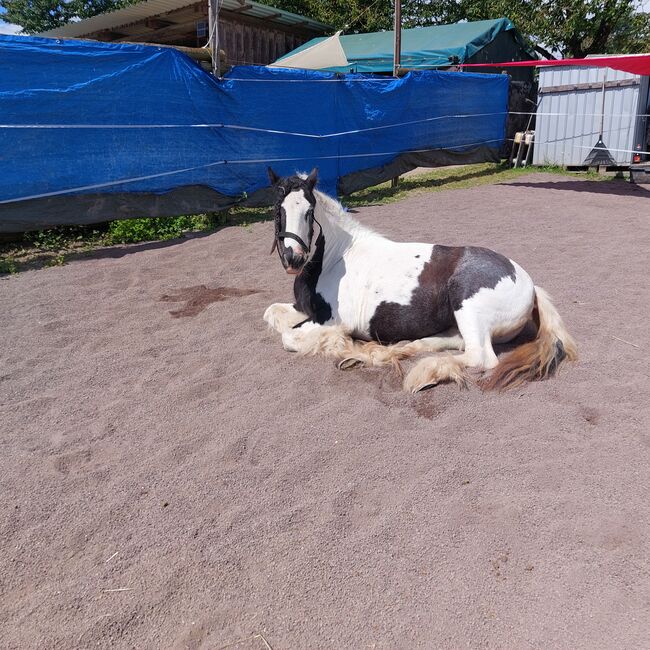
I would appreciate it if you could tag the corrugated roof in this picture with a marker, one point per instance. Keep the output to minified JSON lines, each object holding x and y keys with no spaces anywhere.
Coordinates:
{"x":151,"y":8}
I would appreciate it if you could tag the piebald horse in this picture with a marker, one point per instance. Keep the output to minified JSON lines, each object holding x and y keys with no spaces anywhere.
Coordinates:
{"x":370,"y":301}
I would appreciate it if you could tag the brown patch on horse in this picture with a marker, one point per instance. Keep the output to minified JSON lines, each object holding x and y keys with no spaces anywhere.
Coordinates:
{"x":440,"y":267}
{"x":197,"y":298}
{"x":429,"y":310}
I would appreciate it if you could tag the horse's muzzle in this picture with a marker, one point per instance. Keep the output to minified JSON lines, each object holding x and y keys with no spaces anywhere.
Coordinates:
{"x":295,"y":266}
{"x":293,"y":262}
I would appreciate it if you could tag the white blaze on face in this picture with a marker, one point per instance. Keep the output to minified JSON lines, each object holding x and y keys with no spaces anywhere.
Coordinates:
{"x":296,"y":207}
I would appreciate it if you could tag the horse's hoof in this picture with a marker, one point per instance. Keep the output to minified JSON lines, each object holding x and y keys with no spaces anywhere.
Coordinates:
{"x":420,"y":389}
{"x":350,"y":364}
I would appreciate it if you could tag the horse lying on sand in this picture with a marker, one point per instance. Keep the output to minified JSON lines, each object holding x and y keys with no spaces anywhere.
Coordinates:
{"x":370,"y":301}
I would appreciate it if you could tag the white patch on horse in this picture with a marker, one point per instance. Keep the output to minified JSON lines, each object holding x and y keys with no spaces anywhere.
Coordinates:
{"x":295,"y":207}
{"x":497,"y":314}
{"x":379,"y":270}
{"x":504,"y":309}
{"x":362,"y":269}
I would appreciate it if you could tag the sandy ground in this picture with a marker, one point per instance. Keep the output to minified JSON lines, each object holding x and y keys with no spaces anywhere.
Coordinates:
{"x":171,"y":478}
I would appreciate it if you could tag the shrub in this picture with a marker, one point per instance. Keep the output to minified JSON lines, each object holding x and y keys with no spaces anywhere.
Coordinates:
{"x":8,"y":266}
{"x":161,"y":228}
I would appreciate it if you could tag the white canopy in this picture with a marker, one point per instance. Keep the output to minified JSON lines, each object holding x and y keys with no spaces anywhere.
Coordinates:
{"x":326,"y":54}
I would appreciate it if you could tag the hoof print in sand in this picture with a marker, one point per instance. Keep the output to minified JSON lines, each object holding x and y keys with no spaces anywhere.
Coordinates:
{"x":197,"y":298}
{"x":499,"y":565}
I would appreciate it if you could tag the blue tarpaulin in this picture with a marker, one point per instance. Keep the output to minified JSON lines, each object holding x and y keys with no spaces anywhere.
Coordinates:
{"x":92,"y":131}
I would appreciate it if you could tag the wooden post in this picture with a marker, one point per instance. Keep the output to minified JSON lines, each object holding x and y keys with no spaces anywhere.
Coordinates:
{"x":397,"y":51}
{"x":397,"y":54}
{"x":213,"y":31}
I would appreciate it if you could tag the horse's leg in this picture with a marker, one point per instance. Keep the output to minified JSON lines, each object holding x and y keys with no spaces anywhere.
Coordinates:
{"x":441,"y":368}
{"x":373,"y":354}
{"x":314,"y":339}
{"x":282,"y":316}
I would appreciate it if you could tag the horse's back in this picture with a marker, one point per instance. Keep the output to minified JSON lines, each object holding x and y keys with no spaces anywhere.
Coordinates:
{"x":451,"y":276}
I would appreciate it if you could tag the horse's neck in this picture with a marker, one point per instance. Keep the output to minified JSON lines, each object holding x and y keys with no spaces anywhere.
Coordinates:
{"x":340,"y":230}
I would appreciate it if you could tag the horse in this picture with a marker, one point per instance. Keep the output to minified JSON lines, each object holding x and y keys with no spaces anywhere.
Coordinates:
{"x":368,"y":301}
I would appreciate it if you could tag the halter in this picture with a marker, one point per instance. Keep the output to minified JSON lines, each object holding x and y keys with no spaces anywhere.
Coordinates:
{"x":283,"y":234}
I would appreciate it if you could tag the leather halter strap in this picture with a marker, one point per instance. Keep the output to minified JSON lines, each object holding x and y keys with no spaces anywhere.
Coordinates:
{"x":286,"y":234}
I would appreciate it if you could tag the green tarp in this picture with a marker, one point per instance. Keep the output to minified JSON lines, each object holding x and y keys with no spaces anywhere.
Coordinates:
{"x":422,"y":47}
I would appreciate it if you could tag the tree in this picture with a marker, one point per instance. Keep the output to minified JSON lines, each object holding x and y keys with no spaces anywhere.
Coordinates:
{"x":35,"y":15}
{"x":564,"y":27}
{"x":349,"y":15}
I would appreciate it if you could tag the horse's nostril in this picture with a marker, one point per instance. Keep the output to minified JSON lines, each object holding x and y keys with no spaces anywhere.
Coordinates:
{"x":292,"y":257}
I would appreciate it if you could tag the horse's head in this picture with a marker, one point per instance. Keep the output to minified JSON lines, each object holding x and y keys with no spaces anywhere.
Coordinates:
{"x":294,"y":218}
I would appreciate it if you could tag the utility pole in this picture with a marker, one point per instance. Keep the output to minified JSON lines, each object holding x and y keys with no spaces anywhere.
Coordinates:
{"x":397,"y":55}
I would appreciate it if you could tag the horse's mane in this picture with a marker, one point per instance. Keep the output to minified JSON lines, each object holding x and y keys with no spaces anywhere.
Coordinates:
{"x":332,"y":210}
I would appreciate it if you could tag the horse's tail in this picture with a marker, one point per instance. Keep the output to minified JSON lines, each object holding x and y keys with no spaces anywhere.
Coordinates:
{"x":539,"y":358}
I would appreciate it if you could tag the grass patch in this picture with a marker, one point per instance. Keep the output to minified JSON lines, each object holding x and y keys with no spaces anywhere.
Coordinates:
{"x":56,"y":246}
{"x":450,"y":178}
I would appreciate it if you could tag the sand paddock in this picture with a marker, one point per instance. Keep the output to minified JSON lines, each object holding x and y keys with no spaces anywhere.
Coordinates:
{"x":171,"y":478}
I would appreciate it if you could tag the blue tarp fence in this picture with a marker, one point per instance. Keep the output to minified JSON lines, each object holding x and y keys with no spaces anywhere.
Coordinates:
{"x":94,"y":131}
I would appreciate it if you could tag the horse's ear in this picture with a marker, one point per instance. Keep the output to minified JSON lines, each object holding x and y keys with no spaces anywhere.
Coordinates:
{"x":273,"y":177}
{"x":312,"y":178}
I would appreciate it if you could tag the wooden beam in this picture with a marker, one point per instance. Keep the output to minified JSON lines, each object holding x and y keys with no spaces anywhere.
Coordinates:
{"x":588,"y":86}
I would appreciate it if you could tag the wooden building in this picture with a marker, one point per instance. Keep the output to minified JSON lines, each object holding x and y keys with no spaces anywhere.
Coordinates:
{"x":250,"y":33}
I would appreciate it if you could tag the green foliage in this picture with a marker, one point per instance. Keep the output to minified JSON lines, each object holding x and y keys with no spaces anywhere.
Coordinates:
{"x":572,"y":28}
{"x":56,"y":246}
{"x":566,"y":27}
{"x":8,"y":265}
{"x":632,"y":36}
{"x":57,"y":260}
{"x":160,"y":228}
{"x":47,"y":240}
{"x":349,"y":15}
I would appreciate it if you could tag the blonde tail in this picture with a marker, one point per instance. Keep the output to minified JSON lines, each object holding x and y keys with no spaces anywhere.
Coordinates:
{"x":541,"y":357}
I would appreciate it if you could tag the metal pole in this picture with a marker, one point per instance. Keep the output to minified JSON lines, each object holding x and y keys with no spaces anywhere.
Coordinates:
{"x":397,"y":53}
{"x":602,"y":107}
{"x":213,"y":27}
{"x":210,"y":25}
